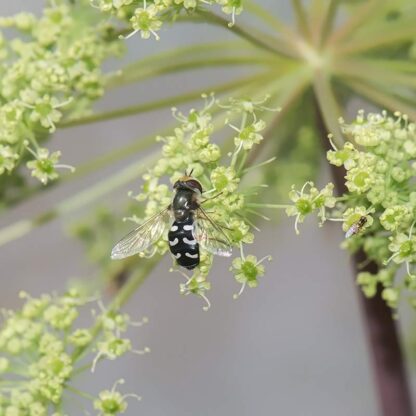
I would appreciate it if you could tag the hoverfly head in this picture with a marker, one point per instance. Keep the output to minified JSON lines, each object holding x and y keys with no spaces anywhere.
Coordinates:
{"x":188,"y":182}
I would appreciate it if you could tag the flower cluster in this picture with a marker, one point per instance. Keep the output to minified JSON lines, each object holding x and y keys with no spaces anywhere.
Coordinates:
{"x":308,"y":200}
{"x":379,"y":210}
{"x":50,"y":70}
{"x":41,"y":351}
{"x":225,"y":198}
{"x":147,"y":16}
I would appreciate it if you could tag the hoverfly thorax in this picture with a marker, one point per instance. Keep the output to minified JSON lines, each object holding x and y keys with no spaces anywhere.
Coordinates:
{"x":186,"y":199}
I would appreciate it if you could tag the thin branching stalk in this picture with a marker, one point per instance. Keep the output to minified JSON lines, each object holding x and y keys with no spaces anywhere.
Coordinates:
{"x":124,"y":294}
{"x":360,"y":17}
{"x":77,"y":201}
{"x":301,"y":19}
{"x":268,"y":18}
{"x":328,"y":22}
{"x":166,"y":102}
{"x":328,"y":102}
{"x":261,"y":40}
{"x":384,"y":99}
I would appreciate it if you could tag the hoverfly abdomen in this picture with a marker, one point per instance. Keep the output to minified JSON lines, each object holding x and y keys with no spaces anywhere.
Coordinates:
{"x":182,"y":243}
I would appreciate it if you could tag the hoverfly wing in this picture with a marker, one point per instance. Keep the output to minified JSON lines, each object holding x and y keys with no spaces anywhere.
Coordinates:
{"x":142,"y":237}
{"x":210,"y":235}
{"x":349,"y":233}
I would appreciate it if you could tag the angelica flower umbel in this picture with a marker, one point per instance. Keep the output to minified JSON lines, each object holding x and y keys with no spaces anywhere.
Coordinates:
{"x":147,"y":17}
{"x":43,"y":336}
{"x":378,"y":213}
{"x":50,"y":70}
{"x":219,"y":219}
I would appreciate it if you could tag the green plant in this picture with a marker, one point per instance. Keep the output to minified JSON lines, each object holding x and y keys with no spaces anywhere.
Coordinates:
{"x":334,"y":52}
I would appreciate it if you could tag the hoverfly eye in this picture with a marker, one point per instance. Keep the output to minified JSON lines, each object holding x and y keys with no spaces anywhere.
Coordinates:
{"x":192,"y":183}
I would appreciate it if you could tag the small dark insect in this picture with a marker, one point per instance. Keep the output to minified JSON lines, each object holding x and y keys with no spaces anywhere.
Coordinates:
{"x":189,"y":227}
{"x":356,"y":227}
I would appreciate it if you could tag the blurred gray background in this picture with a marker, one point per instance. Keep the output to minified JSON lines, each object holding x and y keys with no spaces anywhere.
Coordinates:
{"x":293,"y":346}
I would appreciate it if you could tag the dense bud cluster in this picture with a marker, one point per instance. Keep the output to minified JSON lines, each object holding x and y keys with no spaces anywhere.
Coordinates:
{"x":50,"y":70}
{"x":40,"y":350}
{"x":380,"y":169}
{"x":147,"y":16}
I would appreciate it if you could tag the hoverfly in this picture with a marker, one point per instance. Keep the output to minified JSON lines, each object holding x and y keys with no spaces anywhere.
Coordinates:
{"x":190,"y":227}
{"x":356,"y":227}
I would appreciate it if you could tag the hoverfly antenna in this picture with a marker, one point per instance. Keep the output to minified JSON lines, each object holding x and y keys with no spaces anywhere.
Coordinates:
{"x":190,"y":173}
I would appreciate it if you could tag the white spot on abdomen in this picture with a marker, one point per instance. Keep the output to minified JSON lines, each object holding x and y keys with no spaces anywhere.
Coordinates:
{"x":174,"y":228}
{"x":186,"y":241}
{"x":177,"y":255}
{"x":191,"y":256}
{"x":188,"y":227}
{"x":174,"y":242}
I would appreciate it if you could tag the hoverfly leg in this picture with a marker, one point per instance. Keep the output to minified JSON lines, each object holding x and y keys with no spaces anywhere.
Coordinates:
{"x":213,"y":197}
{"x":188,"y":279}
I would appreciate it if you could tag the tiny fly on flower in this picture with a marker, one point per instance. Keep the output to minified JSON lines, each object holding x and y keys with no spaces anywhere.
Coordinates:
{"x":190,"y":227}
{"x":356,"y":227}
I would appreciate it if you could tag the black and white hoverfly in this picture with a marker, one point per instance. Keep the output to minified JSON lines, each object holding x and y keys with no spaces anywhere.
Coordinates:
{"x":190,"y":227}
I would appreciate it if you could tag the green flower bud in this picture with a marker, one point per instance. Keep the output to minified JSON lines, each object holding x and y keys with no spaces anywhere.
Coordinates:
{"x":249,"y":135}
{"x":391,"y":296}
{"x":80,"y":337}
{"x":224,"y":179}
{"x":110,"y":403}
{"x":395,"y":216}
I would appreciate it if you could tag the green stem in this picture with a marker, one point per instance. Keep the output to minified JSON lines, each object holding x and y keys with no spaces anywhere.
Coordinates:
{"x":79,"y":200}
{"x":89,"y":167}
{"x":328,"y":105}
{"x":359,"y":18}
{"x":273,"y":206}
{"x":170,"y":68}
{"x":373,"y":70}
{"x":301,"y":19}
{"x":328,"y":22}
{"x":165,"y":102}
{"x":79,"y":392}
{"x":259,"y":39}
{"x":383,"y":35}
{"x":124,"y":294}
{"x":382,"y":98}
{"x":184,"y":57}
{"x":269,"y":18}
